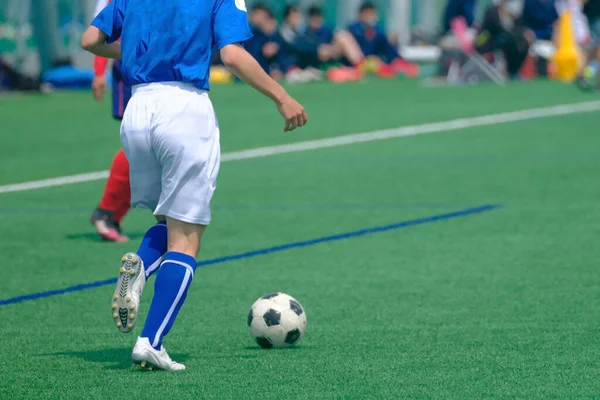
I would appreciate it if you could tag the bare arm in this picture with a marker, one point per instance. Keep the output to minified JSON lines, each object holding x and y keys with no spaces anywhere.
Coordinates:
{"x":94,"y":41}
{"x":242,"y":64}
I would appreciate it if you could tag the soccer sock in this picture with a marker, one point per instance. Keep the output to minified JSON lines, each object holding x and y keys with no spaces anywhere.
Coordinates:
{"x":153,"y":247}
{"x":170,"y":290}
{"x":117,"y":194}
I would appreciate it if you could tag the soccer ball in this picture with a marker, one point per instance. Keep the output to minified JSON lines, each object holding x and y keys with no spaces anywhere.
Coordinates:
{"x":277,"y":320}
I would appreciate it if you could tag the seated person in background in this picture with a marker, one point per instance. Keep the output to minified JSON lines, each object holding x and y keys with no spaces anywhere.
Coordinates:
{"x":459,"y":8}
{"x":375,"y":44}
{"x":589,"y":76}
{"x":540,"y":16}
{"x":337,"y":45}
{"x":266,"y":45}
{"x":502,"y":30}
{"x":311,"y":48}
{"x":305,"y":52}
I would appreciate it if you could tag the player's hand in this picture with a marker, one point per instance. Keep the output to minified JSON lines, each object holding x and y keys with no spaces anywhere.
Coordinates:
{"x":293,"y":113}
{"x":99,"y":87}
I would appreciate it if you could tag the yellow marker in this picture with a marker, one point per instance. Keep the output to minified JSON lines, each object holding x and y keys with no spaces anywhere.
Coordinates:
{"x":566,"y":58}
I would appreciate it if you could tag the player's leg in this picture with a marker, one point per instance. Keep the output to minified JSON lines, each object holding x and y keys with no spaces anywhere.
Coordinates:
{"x":115,"y":201}
{"x":145,"y":176}
{"x":116,"y":198}
{"x":170,"y":291}
{"x":345,"y":45}
{"x":186,"y":139}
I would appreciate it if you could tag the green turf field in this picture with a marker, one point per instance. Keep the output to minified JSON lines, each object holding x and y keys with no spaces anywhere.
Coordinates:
{"x":498,"y":304}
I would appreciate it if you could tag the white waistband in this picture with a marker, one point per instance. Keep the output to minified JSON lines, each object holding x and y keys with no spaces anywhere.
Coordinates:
{"x":156,"y":86}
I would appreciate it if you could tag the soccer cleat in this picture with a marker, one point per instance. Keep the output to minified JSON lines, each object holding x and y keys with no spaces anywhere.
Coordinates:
{"x":126,"y":300}
{"x":344,"y":74}
{"x":148,"y":357}
{"x":107,"y":227}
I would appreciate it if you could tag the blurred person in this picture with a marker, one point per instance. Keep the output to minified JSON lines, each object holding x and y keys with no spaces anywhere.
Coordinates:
{"x":312,"y":48}
{"x":376,"y":46}
{"x":502,"y":29}
{"x":304,"y":52}
{"x":11,"y":79}
{"x":540,"y":16}
{"x":116,"y":199}
{"x":459,"y":8}
{"x":266,"y":44}
{"x":589,"y":74}
{"x":342,"y":45}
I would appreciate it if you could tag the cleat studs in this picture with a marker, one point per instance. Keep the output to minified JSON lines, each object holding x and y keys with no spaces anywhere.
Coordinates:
{"x":128,"y":298}
{"x":115,"y":297}
{"x":132,"y":272}
{"x":132,"y":307}
{"x":115,"y":316}
{"x":143,"y":364}
{"x":122,"y":270}
{"x":131,"y":316}
{"x":123,"y":259}
{"x":129,"y":326}
{"x":134,"y":260}
{"x":114,"y":306}
{"x":149,"y":368}
{"x":118,"y":324}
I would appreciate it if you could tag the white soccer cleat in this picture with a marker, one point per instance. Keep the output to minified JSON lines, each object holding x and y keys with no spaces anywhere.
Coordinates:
{"x":126,"y":299}
{"x":150,"y":358}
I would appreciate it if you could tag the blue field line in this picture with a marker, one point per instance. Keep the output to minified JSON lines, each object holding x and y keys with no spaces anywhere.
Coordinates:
{"x":275,"y":249}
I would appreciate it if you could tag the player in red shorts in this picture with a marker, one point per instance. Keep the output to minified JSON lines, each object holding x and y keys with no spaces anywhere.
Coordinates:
{"x":115,"y":202}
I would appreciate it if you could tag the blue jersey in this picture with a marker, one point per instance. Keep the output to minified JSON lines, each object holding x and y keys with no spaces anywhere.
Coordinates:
{"x":174,"y":40}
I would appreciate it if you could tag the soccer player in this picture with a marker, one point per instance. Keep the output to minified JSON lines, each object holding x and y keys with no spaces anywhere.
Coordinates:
{"x":116,"y":198}
{"x":170,"y":135}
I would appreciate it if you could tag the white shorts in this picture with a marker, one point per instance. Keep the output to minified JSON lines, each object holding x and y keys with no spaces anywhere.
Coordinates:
{"x":170,"y":136}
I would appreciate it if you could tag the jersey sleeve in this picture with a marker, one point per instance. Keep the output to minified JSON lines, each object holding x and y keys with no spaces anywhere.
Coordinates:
{"x":110,"y":20}
{"x":230,"y":23}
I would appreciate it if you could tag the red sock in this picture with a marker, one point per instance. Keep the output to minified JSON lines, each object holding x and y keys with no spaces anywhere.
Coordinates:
{"x":117,"y":194}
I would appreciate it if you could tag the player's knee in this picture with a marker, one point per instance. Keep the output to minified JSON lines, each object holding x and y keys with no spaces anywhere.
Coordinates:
{"x":184,"y":237}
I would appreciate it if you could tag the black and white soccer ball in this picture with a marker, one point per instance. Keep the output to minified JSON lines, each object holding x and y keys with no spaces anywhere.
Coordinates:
{"x":277,"y":320}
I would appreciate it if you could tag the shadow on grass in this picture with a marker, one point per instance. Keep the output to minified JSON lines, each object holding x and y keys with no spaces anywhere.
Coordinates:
{"x":93,"y":237}
{"x":116,"y":358}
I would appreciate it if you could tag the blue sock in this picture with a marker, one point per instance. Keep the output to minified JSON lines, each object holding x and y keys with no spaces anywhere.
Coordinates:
{"x":153,"y":247}
{"x":170,"y":290}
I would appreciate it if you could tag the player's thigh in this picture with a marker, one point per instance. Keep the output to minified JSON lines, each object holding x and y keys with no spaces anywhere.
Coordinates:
{"x":186,"y":141}
{"x":144,"y":169}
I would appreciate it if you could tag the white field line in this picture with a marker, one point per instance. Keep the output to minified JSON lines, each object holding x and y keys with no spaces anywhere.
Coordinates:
{"x":456,"y":124}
